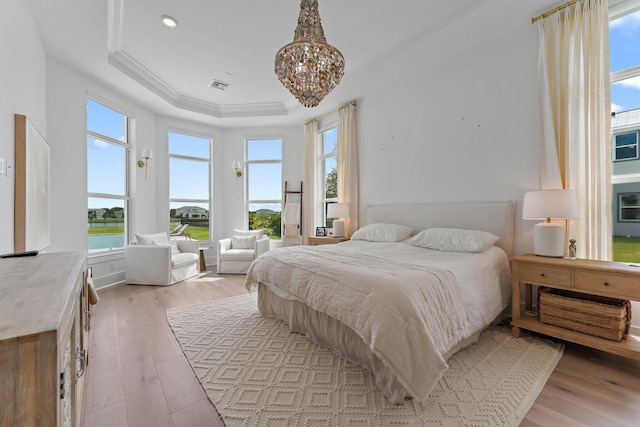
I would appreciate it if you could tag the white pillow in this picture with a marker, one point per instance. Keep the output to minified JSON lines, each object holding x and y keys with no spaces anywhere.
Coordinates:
{"x":381,"y":232}
{"x":148,"y":239}
{"x":258,"y":233}
{"x":243,"y":242}
{"x":171,"y":243}
{"x":454,"y":240}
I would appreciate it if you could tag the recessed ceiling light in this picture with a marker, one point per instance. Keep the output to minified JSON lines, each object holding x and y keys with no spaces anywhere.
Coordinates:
{"x":169,"y":21}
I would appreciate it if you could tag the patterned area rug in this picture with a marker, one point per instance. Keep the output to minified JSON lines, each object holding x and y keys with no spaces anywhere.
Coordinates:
{"x":257,"y":373}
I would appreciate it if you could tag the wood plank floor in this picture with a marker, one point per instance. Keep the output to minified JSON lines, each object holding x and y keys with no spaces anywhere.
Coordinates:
{"x":138,"y":376}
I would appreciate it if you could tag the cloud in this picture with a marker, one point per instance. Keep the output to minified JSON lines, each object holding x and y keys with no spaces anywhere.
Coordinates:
{"x":100,"y":143}
{"x":633,"y":82}
{"x":627,"y":22}
{"x":615,"y":108}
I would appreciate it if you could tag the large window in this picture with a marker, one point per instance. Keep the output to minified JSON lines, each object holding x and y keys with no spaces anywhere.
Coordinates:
{"x":190,"y":186}
{"x":624,"y":37}
{"x":329,"y":171}
{"x":264,"y":185}
{"x":108,"y":147}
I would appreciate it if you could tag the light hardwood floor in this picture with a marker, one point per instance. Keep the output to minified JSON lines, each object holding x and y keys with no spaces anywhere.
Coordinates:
{"x":138,"y":376}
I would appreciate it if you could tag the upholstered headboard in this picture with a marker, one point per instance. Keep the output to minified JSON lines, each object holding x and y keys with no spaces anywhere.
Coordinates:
{"x":494,"y":217}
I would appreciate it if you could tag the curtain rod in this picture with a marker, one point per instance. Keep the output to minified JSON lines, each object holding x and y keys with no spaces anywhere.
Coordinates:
{"x":327,"y":114}
{"x":552,"y":11}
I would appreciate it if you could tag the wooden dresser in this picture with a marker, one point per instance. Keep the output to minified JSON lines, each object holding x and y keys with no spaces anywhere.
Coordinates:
{"x":608,"y":279}
{"x":43,"y":339}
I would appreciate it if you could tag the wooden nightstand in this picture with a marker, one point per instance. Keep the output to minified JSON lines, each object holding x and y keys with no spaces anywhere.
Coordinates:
{"x":315,"y":240}
{"x":608,"y":279}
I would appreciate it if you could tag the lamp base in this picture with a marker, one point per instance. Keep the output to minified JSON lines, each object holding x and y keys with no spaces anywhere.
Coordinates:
{"x":548,"y":239}
{"x":338,"y":228}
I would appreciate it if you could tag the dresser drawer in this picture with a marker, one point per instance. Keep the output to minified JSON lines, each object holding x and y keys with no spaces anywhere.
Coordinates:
{"x":542,"y":274}
{"x":609,"y":283}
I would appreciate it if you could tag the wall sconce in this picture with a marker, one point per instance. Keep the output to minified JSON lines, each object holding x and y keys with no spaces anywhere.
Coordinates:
{"x":236,"y":167}
{"x":146,"y":155}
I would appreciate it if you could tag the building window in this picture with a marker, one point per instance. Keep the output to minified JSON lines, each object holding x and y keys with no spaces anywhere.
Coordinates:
{"x":108,"y":145}
{"x":329,"y":171}
{"x":190,"y":186}
{"x":264,"y":185}
{"x":629,"y":207}
{"x":625,"y":146}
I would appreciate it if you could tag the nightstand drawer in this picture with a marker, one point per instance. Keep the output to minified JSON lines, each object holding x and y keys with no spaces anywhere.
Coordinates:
{"x":608,"y":283}
{"x":543,"y":274}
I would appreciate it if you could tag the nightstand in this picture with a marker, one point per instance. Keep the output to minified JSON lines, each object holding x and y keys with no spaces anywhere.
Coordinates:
{"x":609,"y":279}
{"x":315,"y":240}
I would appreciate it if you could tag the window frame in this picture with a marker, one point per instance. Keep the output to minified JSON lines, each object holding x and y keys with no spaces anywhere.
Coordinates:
{"x":247,"y":175}
{"x":621,"y":206}
{"x":125,"y":198}
{"x":209,"y":161}
{"x":615,"y":147}
{"x":324,"y":201}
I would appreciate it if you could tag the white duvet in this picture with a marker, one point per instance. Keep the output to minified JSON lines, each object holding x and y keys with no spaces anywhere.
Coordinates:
{"x":412,"y":306}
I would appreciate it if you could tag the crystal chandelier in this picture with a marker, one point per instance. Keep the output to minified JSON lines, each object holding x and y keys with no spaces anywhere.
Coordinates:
{"x":309,"y":67}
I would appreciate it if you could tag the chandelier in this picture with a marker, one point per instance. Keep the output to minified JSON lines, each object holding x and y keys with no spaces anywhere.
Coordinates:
{"x":309,"y":67}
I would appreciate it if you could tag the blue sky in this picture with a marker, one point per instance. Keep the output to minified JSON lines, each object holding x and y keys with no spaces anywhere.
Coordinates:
{"x":624,"y":40}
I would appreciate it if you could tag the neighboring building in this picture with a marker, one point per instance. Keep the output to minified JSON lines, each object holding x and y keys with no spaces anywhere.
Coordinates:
{"x":625,"y":179}
{"x":192,"y":212}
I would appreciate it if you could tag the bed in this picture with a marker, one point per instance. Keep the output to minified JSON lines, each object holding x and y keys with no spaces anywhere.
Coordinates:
{"x":389,"y":304}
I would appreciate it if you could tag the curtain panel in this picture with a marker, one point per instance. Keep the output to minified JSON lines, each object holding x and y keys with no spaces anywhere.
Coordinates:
{"x":311,"y":155}
{"x":348,"y":181}
{"x":575,"y":118}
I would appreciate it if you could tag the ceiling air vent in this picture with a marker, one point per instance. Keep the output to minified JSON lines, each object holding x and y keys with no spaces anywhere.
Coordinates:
{"x":217,"y":84}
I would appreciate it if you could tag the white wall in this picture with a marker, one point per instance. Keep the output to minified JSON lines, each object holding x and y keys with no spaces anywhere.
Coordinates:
{"x":66,"y":110}
{"x":292,"y":168}
{"x":455,"y":117}
{"x":22,"y":91}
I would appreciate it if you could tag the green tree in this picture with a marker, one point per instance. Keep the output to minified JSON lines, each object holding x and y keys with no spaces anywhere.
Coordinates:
{"x":172,"y":213}
{"x":258,"y":221}
{"x":108,"y":213}
{"x":332,"y":184}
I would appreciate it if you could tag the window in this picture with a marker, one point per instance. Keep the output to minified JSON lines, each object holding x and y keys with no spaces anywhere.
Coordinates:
{"x":107,"y":177}
{"x":264,"y":185}
{"x":189,"y":186}
{"x":625,"y":146}
{"x":329,"y":171}
{"x":624,"y":38}
{"x":629,"y":207}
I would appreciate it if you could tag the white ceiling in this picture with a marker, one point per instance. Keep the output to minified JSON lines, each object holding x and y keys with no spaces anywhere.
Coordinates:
{"x":124,"y":45}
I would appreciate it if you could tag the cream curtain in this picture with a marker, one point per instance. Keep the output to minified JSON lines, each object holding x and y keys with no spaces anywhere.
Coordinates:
{"x":348,"y":182}
{"x":575,"y":114}
{"x":310,"y":213}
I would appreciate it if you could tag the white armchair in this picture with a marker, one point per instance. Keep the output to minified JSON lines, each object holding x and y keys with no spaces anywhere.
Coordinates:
{"x":155,"y":260}
{"x":235,"y":254}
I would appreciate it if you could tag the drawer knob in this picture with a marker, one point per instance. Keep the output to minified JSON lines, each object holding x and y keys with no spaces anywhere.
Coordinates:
{"x":606,"y":283}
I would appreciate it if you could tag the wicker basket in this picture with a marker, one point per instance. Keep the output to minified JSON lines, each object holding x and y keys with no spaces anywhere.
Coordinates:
{"x":594,"y":315}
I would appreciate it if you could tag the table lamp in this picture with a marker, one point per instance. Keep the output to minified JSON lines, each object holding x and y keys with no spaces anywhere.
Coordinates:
{"x":548,"y":236}
{"x":338,"y":210}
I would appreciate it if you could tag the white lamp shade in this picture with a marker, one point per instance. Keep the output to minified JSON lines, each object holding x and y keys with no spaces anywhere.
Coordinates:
{"x":337,"y":210}
{"x":543,"y":204}
{"x":549,"y":237}
{"x":147,"y":153}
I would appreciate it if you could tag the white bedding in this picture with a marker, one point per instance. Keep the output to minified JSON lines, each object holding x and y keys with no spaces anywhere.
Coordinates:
{"x":446,"y":299}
